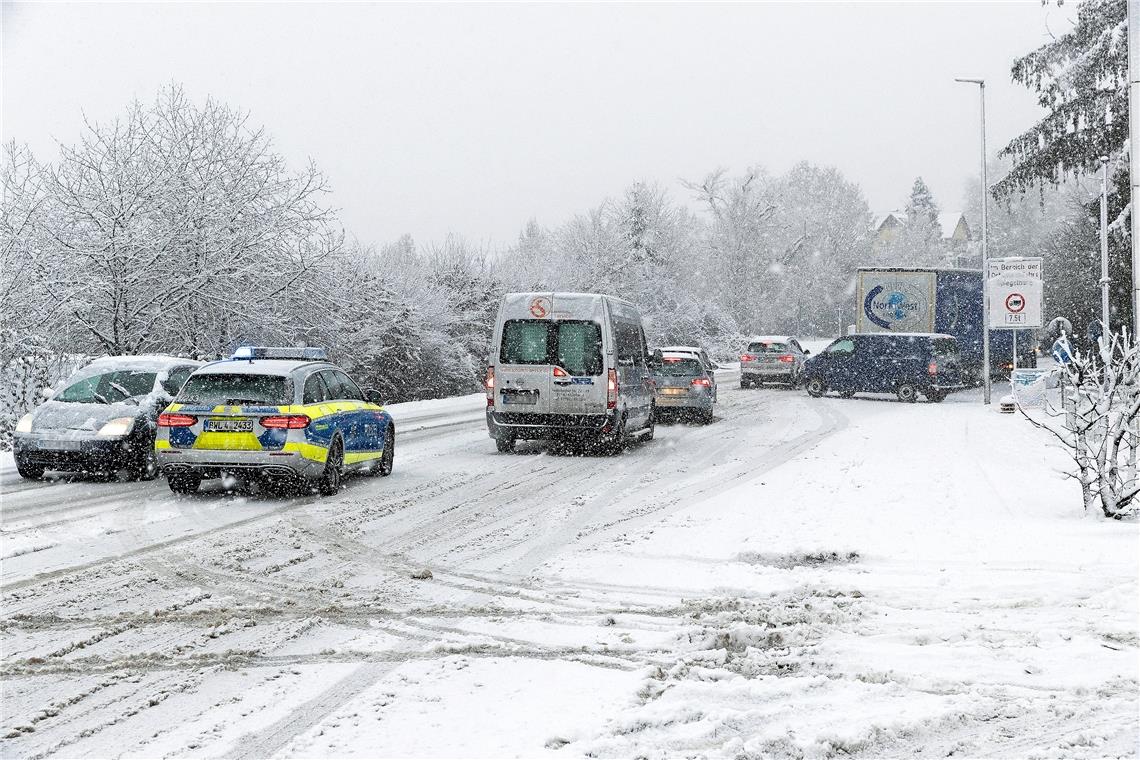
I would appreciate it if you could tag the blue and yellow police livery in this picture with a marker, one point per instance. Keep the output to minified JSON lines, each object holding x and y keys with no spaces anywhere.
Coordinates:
{"x":277,"y":415}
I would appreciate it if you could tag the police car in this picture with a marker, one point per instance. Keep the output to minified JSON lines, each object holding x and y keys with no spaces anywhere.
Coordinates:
{"x":275,"y":415}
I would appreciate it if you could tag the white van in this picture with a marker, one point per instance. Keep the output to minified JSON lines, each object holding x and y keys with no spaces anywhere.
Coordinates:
{"x":568,"y":366}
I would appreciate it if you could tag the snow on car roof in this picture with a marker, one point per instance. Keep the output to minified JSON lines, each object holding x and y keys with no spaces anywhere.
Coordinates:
{"x":683,"y":349}
{"x":910,"y":335}
{"x":154,"y":362}
{"x":281,"y":367}
{"x":676,"y":354}
{"x":771,"y":338}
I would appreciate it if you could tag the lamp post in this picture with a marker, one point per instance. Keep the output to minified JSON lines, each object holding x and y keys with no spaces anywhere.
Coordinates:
{"x":985,"y":250}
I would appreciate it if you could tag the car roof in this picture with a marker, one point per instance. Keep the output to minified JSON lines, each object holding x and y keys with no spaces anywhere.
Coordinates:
{"x":282,"y":367}
{"x":772,"y":338}
{"x":907,"y":335}
{"x":676,"y":354}
{"x":683,"y":349}
{"x":154,"y":362}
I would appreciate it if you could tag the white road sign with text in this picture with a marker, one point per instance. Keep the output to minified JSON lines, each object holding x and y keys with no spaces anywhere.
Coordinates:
{"x":1016,"y":292}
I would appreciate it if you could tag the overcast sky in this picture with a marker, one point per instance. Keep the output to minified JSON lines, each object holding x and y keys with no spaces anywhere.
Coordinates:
{"x":472,"y":119}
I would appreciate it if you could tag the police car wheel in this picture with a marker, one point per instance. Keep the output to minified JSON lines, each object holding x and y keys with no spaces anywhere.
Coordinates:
{"x":329,"y":483}
{"x":389,"y":456}
{"x":184,"y":484}
{"x":906,"y":392}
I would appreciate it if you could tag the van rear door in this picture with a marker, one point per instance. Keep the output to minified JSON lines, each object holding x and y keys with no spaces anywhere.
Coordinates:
{"x":551,"y":367}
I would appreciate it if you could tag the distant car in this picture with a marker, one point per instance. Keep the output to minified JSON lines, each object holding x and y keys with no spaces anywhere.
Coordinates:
{"x":905,"y":364}
{"x":684,"y":384}
{"x":696,"y":351}
{"x":281,"y":416}
{"x":772,"y":358}
{"x":103,"y":420}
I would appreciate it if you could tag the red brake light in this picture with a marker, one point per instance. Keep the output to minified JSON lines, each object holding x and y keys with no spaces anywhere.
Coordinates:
{"x":787,"y":358}
{"x":932,"y":369}
{"x":286,"y":422}
{"x":703,"y":381}
{"x":173,"y":419}
{"x":489,"y":384}
{"x":747,"y":357}
{"x":612,"y":389}
{"x":559,"y":372}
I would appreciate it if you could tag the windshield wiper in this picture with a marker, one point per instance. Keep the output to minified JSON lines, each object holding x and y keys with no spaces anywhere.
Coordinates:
{"x":122,"y":390}
{"x":100,"y":398}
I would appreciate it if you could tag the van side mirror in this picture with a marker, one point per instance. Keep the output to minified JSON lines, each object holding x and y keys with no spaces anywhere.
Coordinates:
{"x":374,"y":396}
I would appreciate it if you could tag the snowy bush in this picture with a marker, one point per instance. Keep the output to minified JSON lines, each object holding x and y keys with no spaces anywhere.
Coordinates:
{"x":1099,"y":423}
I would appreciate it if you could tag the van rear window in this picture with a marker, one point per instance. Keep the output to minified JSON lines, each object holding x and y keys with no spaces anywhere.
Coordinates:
{"x":573,"y":345}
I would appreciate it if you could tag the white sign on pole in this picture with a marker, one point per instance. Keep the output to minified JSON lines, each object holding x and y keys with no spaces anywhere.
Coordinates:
{"x":1016,"y":292}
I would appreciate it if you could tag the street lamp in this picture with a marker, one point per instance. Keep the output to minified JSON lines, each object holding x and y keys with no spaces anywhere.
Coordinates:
{"x":985,"y":250}
{"x":1104,"y":281}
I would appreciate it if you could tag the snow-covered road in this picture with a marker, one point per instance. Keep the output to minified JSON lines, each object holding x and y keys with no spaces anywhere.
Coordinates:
{"x":801,"y":578}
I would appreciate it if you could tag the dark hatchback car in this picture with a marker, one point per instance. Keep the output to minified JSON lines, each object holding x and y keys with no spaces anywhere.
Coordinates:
{"x":905,"y":364}
{"x":103,"y":420}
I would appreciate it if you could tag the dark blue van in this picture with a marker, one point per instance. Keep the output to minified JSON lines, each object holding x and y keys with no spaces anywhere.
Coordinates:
{"x":905,"y":364}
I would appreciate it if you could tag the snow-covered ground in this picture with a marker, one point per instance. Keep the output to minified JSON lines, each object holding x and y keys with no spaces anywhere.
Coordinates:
{"x":802,"y":578}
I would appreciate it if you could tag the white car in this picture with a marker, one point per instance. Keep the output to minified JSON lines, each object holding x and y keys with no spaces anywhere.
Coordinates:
{"x":772,"y":358}
{"x":696,"y":351}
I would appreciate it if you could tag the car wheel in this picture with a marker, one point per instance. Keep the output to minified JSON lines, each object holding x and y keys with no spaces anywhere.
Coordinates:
{"x":505,"y":445}
{"x":329,"y":484}
{"x":145,"y":468}
{"x":28,"y":470}
{"x":184,"y":484}
{"x":707,"y":417}
{"x":935,"y":396}
{"x":745,"y":383}
{"x":815,"y":386}
{"x":613,"y":443}
{"x":907,"y":392}
{"x":388,"y":458}
{"x":651,"y":427}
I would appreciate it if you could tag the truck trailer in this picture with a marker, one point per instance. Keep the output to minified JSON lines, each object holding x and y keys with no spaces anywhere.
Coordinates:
{"x":931,"y":300}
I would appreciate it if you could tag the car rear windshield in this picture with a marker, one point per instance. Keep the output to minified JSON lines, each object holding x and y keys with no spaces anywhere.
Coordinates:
{"x":767,"y":347}
{"x":673,"y":367}
{"x":109,"y":387}
{"x":234,"y":389}
{"x":573,"y":345}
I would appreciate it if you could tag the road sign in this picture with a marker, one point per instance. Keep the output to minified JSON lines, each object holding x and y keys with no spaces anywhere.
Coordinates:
{"x":1016,"y":293}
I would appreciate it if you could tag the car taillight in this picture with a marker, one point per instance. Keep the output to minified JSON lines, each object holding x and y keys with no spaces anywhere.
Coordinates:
{"x":559,"y":372}
{"x":747,"y":357}
{"x":702,"y":381}
{"x":787,"y":358}
{"x":171,"y":419}
{"x":489,"y":384}
{"x":612,"y":389}
{"x":932,"y":369}
{"x":286,"y":422}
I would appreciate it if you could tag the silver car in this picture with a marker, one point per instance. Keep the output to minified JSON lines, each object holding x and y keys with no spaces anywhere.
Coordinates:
{"x":684,"y":384}
{"x":772,"y":359}
{"x":696,"y":351}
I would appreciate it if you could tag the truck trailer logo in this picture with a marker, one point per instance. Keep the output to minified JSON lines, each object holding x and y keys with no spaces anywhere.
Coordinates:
{"x":888,"y":305}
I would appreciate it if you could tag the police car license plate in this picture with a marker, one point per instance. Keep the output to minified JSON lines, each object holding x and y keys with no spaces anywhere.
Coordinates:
{"x":229,"y":426}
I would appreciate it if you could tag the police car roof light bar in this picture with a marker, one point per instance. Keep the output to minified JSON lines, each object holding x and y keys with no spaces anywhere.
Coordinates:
{"x":280,"y":352}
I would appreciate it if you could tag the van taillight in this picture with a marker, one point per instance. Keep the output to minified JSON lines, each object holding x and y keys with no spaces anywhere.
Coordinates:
{"x":489,"y":384}
{"x":559,"y":372}
{"x":612,"y":389}
{"x":932,"y":369}
{"x":170,"y":419}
